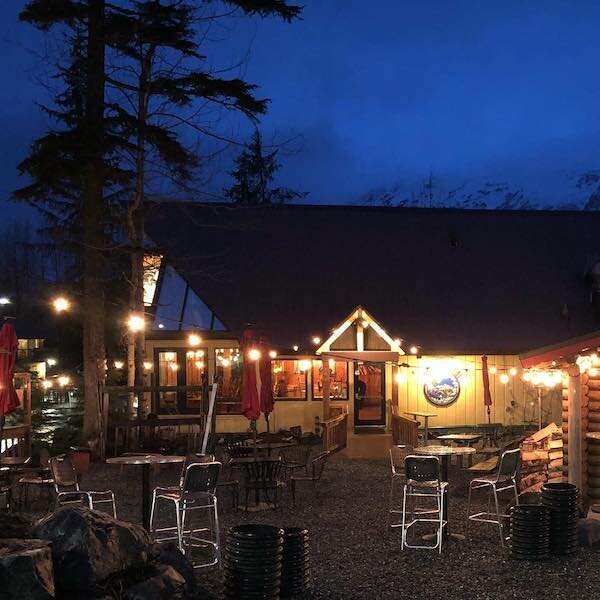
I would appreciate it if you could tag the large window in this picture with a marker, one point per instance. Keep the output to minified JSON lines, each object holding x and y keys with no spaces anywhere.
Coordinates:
{"x":289,"y":378}
{"x":181,"y":367}
{"x":228,"y":376}
{"x":338,"y":379}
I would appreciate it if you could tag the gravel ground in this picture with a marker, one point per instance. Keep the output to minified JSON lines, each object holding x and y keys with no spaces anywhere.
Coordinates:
{"x":356,"y":555}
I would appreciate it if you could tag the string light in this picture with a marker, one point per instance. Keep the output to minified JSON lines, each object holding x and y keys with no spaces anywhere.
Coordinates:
{"x":413,"y":350}
{"x":254,"y":354}
{"x":504,"y":378}
{"x":513,"y":371}
{"x":135,"y":323}
{"x":272,"y":354}
{"x":295,"y":348}
{"x":194,"y":339}
{"x":61,"y":304}
{"x":493,"y":370}
{"x":64,"y":380}
{"x":316,"y":340}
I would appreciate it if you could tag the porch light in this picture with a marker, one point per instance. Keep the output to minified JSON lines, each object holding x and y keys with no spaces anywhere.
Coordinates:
{"x":63,"y":380}
{"x":364,"y":323}
{"x":316,"y":340}
{"x":504,"y":378}
{"x":61,"y":304}
{"x":194,"y":339}
{"x":147,"y":365}
{"x":254,"y":354}
{"x":51,"y":362}
{"x":119,"y":364}
{"x":135,"y":323}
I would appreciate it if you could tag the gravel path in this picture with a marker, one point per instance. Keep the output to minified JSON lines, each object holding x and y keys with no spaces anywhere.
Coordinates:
{"x":356,"y":555}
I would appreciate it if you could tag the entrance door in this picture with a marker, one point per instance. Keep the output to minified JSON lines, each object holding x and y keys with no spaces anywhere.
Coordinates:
{"x":369,"y":394}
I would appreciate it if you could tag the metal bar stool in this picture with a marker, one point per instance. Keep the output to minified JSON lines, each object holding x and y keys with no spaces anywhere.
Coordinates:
{"x":504,"y":479}
{"x":196,"y":493}
{"x":423,"y":481}
{"x":397,"y":455}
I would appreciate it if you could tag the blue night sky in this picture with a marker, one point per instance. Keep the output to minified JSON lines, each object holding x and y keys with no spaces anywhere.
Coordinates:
{"x":378,"y":95}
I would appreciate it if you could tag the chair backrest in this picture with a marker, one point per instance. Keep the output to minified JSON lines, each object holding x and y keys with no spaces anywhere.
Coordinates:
{"x":237,"y":449}
{"x":295,"y":454}
{"x":63,"y":474}
{"x":296,"y":431}
{"x":191,"y":459}
{"x":318,"y":464}
{"x":201,"y":478}
{"x":80,"y":457}
{"x":267,"y":471}
{"x":509,"y":464}
{"x":397,"y":455}
{"x":422,"y":469}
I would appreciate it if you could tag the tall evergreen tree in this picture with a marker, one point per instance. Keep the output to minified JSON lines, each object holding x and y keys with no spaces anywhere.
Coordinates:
{"x":254,"y":175}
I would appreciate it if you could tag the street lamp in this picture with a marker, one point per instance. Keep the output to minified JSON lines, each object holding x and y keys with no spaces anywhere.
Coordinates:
{"x":61,"y":304}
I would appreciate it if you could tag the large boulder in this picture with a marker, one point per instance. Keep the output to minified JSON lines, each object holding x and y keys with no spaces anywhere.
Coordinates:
{"x":165,"y":584}
{"x":169,"y":554}
{"x":15,"y":525}
{"x":88,"y":547}
{"x":26,"y":570}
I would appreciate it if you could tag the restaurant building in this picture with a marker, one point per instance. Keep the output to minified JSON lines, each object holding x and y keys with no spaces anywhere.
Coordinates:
{"x":401,"y":305}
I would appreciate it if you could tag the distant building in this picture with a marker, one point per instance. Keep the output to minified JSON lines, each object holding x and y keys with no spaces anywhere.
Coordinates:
{"x":401,"y":303}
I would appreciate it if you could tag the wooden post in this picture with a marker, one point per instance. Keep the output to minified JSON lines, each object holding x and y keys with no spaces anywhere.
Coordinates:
{"x":574,"y":421}
{"x":326,"y":386}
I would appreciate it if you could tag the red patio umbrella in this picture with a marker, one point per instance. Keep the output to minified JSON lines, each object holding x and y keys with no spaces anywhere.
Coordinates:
{"x":266,"y":383}
{"x":9,"y":400}
{"x":251,"y":380}
{"x":487,"y":396}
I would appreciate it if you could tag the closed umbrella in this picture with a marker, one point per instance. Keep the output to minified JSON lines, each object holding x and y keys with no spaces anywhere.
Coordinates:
{"x":487,"y":396}
{"x":251,"y":379}
{"x":9,"y":400}
{"x":266,"y":383}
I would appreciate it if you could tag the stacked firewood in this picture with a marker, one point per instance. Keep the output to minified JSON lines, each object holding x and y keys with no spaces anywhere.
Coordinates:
{"x":541,"y":458}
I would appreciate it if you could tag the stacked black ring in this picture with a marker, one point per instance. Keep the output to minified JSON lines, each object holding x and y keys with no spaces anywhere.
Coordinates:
{"x":562,"y":501}
{"x":295,"y":575}
{"x":252,"y":562}
{"x":530,"y":532}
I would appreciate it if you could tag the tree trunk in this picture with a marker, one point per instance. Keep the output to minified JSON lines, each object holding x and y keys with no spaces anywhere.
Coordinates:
{"x":93,"y":227}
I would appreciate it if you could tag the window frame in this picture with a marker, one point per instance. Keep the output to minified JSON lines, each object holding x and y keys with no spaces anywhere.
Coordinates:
{"x":290,"y":398}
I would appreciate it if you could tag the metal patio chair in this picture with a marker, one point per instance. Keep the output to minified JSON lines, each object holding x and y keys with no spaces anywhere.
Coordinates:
{"x":504,"y":479}
{"x":263,"y":476}
{"x":397,"y":455}
{"x":317,"y":466}
{"x":196,"y":493}
{"x":68,"y":492}
{"x":35,"y":475}
{"x":423,"y":480}
{"x":295,"y":458}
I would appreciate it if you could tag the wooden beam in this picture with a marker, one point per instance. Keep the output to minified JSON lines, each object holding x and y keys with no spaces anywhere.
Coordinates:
{"x":574,"y":421}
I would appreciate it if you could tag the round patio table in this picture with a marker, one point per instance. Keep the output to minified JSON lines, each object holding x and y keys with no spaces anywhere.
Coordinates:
{"x":444,"y":453}
{"x":145,"y":461}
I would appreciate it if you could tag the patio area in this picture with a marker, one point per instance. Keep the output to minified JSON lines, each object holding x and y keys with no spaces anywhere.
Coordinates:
{"x":356,"y":555}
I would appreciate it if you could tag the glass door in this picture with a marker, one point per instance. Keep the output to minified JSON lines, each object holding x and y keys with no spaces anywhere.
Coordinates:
{"x":369,"y":394}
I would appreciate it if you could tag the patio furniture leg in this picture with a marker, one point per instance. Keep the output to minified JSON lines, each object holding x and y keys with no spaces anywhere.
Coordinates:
{"x":179,"y":533}
{"x":498,"y":515}
{"x":152,"y":511}
{"x":468,"y":511}
{"x":217,"y":535}
{"x":403,"y":538}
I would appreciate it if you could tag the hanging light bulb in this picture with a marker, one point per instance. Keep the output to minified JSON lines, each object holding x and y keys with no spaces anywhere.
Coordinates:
{"x":61,"y":304}
{"x":504,"y":378}
{"x":493,"y":370}
{"x":194,"y":339}
{"x":316,"y":340}
{"x":272,"y":354}
{"x":513,"y":371}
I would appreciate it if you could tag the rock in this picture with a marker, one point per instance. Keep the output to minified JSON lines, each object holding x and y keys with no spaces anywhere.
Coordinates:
{"x":90,"y":546}
{"x":15,"y":525}
{"x":26,"y":570}
{"x":169,"y":554}
{"x":588,"y":532}
{"x":167,"y":584}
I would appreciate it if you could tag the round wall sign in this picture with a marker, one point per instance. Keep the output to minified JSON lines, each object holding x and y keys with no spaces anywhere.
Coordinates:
{"x":442,"y":390}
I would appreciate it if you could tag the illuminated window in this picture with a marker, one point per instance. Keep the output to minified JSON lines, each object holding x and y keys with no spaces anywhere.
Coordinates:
{"x":179,"y":368}
{"x":338,"y":379}
{"x":228,"y":376}
{"x":289,"y":378}
{"x":151,"y":271}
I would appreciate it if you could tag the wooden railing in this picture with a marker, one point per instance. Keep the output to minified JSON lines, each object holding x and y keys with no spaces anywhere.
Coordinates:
{"x":404,"y":431}
{"x":16,"y":441}
{"x":335,"y":433}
